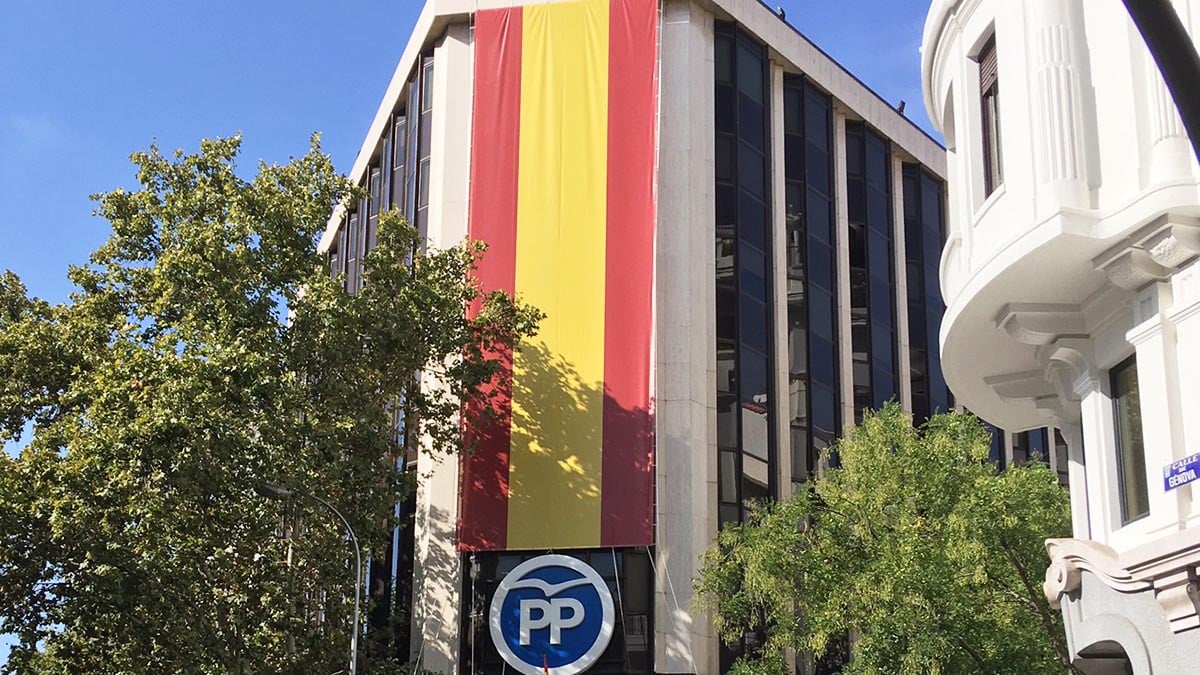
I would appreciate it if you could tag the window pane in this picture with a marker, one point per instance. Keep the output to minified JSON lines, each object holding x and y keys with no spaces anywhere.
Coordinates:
{"x":752,"y":123}
{"x":751,"y":169}
{"x":750,"y":72}
{"x":725,"y":159}
{"x":752,"y":220}
{"x":729,"y":472}
{"x":724,"y":58}
{"x":1135,"y":498}
{"x":816,"y":118}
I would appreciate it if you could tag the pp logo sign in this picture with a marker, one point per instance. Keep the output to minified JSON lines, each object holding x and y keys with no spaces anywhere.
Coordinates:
{"x":552,"y":614}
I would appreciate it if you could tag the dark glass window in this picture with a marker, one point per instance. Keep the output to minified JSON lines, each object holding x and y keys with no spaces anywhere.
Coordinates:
{"x":399,"y":155}
{"x":989,"y":101}
{"x":353,"y":261}
{"x":812,"y":277}
{"x":743,"y":269}
{"x":1020,"y":448}
{"x":1131,"y":451}
{"x":375,"y":201}
{"x":923,"y":236}
{"x":872,"y":273}
{"x":424,"y":142}
{"x":996,"y":451}
{"x":745,"y":371}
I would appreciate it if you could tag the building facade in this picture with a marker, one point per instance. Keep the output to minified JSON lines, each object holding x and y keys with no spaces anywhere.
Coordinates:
{"x":1072,"y":296}
{"x":736,"y":244}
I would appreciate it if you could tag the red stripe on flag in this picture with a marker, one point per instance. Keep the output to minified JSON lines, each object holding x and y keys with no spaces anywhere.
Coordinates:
{"x":627,"y":485}
{"x":483,"y":509}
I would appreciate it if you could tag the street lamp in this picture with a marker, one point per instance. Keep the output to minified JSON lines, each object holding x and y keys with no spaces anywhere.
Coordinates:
{"x":276,"y":491}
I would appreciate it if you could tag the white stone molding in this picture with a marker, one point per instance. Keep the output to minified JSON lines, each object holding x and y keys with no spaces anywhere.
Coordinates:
{"x":1040,"y":324}
{"x":1028,"y":384}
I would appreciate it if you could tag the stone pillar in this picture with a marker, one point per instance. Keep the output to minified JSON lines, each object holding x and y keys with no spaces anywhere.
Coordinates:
{"x":1170,"y":150}
{"x":1154,"y":339}
{"x":1077,"y":478}
{"x":842,"y":214}
{"x":779,"y":285}
{"x":685,"y":340}
{"x":437,"y":569}
{"x":1184,"y":315}
{"x":1056,"y":36}
{"x":903,"y":358}
{"x":1104,"y":508}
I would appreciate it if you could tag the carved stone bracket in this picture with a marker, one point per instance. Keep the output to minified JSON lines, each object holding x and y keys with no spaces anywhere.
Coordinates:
{"x":1178,"y":595}
{"x":1153,"y":253}
{"x":1174,"y":242}
{"x":1064,"y":361}
{"x":1039,"y":324}
{"x":1166,"y":567}
{"x":1069,"y":558}
{"x":1132,"y":269}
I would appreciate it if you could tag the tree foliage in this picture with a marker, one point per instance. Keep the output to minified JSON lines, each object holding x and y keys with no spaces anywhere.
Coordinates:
{"x":207,"y":350}
{"x":913,"y":545}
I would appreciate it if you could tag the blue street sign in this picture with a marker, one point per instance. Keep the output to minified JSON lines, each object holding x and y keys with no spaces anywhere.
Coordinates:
{"x":1182,"y":472}
{"x":552,"y":614}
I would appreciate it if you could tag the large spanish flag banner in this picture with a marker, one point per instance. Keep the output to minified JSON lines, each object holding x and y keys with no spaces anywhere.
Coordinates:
{"x":562,"y":191}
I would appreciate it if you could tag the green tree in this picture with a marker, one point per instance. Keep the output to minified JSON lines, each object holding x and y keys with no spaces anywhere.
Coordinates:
{"x":914,"y":545}
{"x":207,"y":350}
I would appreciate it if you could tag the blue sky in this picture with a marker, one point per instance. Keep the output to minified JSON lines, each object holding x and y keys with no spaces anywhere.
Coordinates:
{"x":83,"y":84}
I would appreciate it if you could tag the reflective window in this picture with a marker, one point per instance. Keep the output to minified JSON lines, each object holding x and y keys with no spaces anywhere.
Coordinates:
{"x":812,"y":274}
{"x":1131,"y":451}
{"x":996,"y":453}
{"x":743,"y":271}
{"x":375,"y":199}
{"x":872,"y":273}
{"x":923,"y":234}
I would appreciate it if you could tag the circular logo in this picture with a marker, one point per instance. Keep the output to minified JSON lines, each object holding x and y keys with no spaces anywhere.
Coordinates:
{"x":552,"y":614}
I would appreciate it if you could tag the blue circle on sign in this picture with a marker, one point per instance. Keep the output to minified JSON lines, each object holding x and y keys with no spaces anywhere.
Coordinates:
{"x":552,"y":614}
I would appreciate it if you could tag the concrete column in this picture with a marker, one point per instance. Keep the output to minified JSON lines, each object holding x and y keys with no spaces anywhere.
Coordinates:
{"x":1158,"y":378}
{"x":1104,"y":508}
{"x":685,"y":332}
{"x":783,"y":465}
{"x":1184,"y":315}
{"x":1077,"y":477}
{"x":903,"y":359}
{"x":437,"y":569}
{"x":1056,"y":38}
{"x":842,"y":201}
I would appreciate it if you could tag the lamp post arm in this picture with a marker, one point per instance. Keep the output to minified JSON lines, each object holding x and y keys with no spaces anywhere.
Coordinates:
{"x":1176,"y":56}
{"x":357,"y":579}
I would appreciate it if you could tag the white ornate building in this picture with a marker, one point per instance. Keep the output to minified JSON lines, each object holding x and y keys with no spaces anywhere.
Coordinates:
{"x":1073,"y":295}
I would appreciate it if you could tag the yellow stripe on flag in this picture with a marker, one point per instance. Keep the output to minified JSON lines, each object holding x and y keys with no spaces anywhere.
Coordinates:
{"x":558,"y":401}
